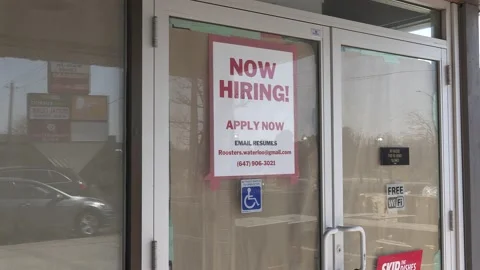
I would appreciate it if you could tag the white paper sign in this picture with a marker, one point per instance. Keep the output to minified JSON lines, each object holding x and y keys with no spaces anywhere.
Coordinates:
{"x":252,"y":108}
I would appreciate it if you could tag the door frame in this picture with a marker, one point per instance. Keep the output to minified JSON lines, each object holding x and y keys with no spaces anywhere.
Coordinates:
{"x":296,"y":14}
{"x":245,"y":17}
{"x":341,"y":38}
{"x":207,"y":13}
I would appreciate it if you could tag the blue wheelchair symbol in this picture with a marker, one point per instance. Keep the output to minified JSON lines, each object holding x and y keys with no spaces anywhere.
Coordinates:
{"x":251,"y":198}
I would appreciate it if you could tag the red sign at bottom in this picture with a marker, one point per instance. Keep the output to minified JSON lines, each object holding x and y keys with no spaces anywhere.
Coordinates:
{"x":401,"y":261}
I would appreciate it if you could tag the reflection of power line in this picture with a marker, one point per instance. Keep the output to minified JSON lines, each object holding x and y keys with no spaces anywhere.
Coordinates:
{"x":421,"y":92}
{"x":113,"y":101}
{"x":21,"y":88}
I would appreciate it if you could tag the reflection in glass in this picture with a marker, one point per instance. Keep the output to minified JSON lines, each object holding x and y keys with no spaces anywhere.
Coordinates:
{"x":208,"y":230}
{"x":61,"y":126}
{"x":392,"y":14}
{"x":390,"y":101}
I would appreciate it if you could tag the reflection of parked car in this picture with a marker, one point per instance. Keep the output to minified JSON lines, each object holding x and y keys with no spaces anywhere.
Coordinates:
{"x":63,"y":179}
{"x":28,"y":206}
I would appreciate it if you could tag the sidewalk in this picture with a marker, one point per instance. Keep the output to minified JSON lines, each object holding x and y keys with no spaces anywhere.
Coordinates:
{"x":96,"y":253}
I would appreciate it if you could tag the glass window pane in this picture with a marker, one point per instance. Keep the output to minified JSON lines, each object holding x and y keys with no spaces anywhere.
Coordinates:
{"x":62,"y":121}
{"x":26,"y":173}
{"x":27,"y":191}
{"x":390,"y":101}
{"x":56,"y":177}
{"x":38,"y":175}
{"x":208,"y":229}
{"x":6,"y":187}
{"x":8,"y":173}
{"x":385,"y":13}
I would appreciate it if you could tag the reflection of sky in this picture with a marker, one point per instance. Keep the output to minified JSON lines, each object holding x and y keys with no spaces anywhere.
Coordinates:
{"x":426,"y":32}
{"x":31,"y":77}
{"x":382,"y":91}
{"x":382,"y":96}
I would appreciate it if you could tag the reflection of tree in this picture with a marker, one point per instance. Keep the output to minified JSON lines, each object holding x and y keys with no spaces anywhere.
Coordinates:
{"x":189,"y":117}
{"x":187,"y":127}
{"x":191,"y":94}
{"x":425,"y":152}
{"x":308,"y":156}
{"x":350,"y":142}
{"x":361,"y":153}
{"x":187,"y":98}
{"x":422,"y":127}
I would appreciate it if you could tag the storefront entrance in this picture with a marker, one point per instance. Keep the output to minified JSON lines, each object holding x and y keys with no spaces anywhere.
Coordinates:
{"x":297,"y":145}
{"x":390,"y":181}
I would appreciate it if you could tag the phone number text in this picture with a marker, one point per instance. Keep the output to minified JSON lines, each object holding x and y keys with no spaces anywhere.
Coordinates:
{"x":256,"y":163}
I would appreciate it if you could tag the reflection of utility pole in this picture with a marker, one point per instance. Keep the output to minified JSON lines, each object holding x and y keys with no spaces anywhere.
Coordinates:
{"x":10,"y":111}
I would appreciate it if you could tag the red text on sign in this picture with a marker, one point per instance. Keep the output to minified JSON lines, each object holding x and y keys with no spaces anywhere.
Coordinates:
{"x":253,"y":91}
{"x":254,"y":125}
{"x":250,"y":68}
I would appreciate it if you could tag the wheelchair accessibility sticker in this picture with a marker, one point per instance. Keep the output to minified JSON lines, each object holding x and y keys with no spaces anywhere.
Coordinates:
{"x":251,"y":197}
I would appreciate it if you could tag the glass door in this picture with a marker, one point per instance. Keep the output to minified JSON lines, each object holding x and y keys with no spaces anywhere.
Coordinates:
{"x":392,"y":194}
{"x":231,"y":205}
{"x":245,"y":157}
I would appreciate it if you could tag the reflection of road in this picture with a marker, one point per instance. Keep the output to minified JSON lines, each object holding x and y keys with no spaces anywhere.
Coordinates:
{"x":98,"y":253}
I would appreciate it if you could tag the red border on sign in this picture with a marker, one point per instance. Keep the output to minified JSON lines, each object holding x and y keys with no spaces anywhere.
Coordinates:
{"x":215,"y":180}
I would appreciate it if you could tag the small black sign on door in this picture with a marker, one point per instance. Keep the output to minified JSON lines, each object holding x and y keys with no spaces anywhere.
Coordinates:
{"x":394,"y":156}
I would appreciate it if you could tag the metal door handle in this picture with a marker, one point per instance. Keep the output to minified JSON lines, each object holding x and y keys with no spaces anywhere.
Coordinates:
{"x":25,"y":205}
{"x":329,"y":232}
{"x":363,"y":243}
